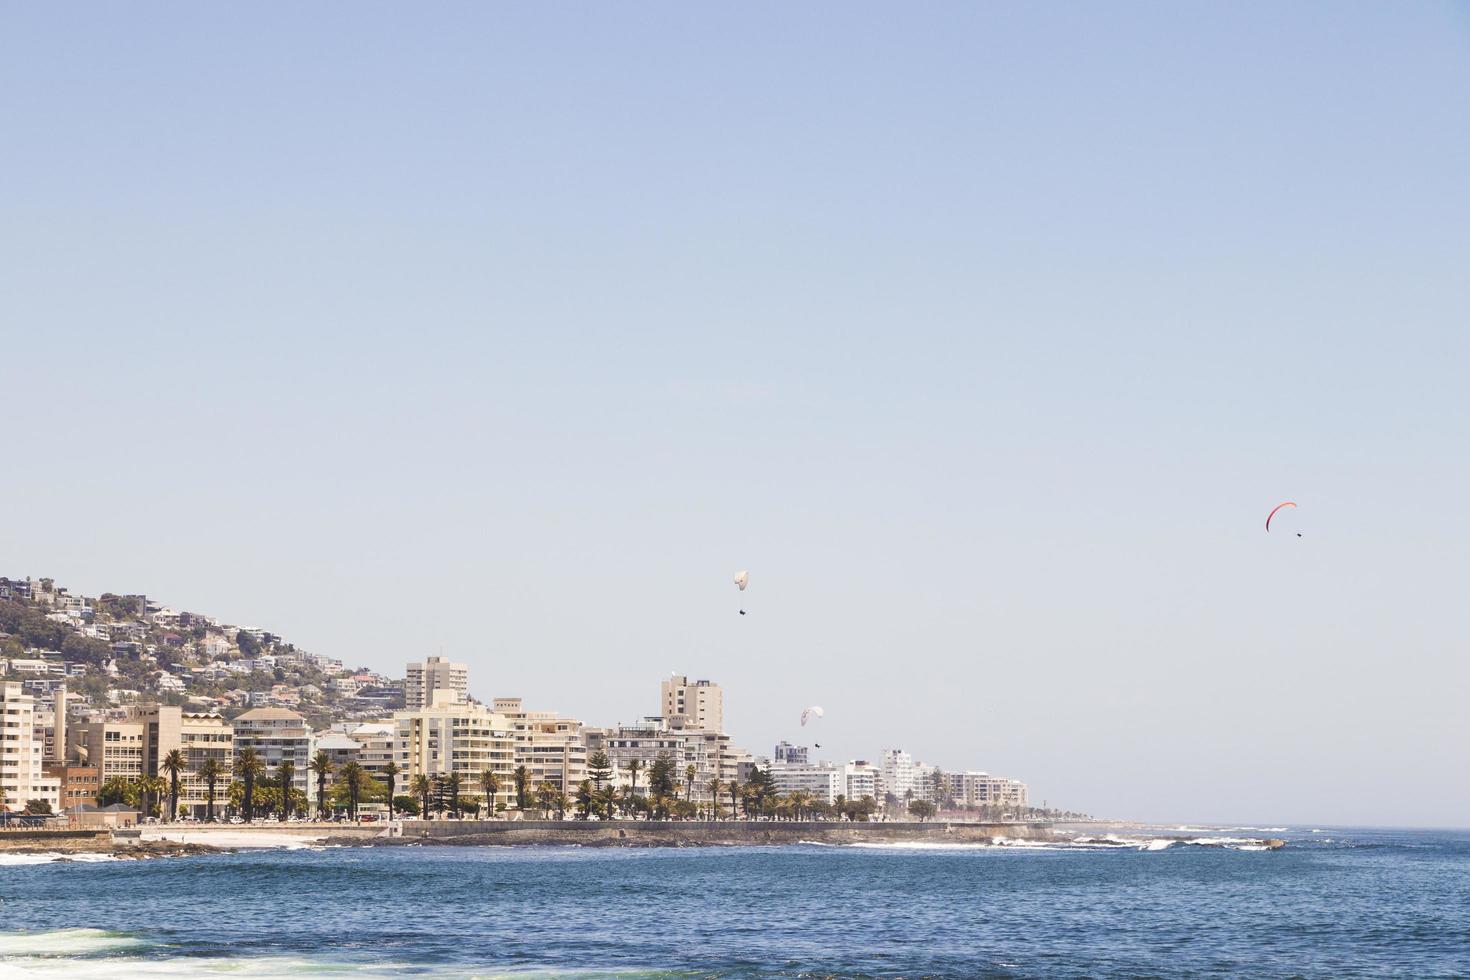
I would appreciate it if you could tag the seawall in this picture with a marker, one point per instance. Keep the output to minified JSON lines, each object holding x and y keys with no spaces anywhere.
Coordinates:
{"x":654,"y":833}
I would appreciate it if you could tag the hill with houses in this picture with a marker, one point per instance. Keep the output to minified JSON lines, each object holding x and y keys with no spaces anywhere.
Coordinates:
{"x":114,"y":649}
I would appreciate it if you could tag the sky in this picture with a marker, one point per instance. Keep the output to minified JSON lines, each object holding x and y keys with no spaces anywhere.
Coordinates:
{"x":983,"y":335}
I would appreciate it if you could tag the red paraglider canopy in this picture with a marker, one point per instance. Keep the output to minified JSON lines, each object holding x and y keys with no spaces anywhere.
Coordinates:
{"x":1287,"y":503}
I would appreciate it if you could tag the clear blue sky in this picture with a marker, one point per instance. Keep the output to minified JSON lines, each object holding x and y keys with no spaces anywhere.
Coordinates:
{"x":984,"y":335}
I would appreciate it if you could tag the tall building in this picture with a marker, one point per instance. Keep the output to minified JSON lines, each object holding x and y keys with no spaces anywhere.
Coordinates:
{"x":702,"y":703}
{"x":454,"y":736}
{"x":204,"y":736}
{"x":22,"y":755}
{"x":551,"y":748}
{"x":114,"y":747}
{"x":376,"y":739}
{"x":823,"y":781}
{"x":786,"y":752}
{"x":862,"y":780}
{"x":276,"y":734}
{"x":434,"y":674}
{"x":896,"y":774}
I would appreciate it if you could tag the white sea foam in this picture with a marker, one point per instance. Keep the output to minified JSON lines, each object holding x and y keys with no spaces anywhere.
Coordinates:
{"x":1158,"y":844}
{"x":64,"y":943}
{"x":46,"y":857}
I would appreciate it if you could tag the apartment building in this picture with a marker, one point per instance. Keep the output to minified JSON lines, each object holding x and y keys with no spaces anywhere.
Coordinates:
{"x":550,"y":747}
{"x":822,"y":780}
{"x":979,"y":789}
{"x":204,"y":736}
{"x":276,"y":734}
{"x":455,"y":736}
{"x":22,"y":755}
{"x":896,"y":774}
{"x":701,"y":703}
{"x":114,"y":747}
{"x":788,"y":753}
{"x":860,"y":779}
{"x":434,"y":674}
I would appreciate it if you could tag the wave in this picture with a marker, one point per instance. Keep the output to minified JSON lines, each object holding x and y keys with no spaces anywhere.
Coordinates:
{"x":96,"y":954}
{"x":46,"y":857}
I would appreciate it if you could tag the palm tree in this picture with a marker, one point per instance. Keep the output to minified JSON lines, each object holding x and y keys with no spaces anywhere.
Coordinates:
{"x":354,"y":779}
{"x":422,"y":788}
{"x":153,"y":789}
{"x":690,"y":771}
{"x":321,"y":767}
{"x":286,"y":775}
{"x":546,"y":794}
{"x":249,"y":765}
{"x":452,"y":785}
{"x":716,"y":787}
{"x":210,"y":772}
{"x":734,"y":789}
{"x":173,"y":763}
{"x":391,"y":771}
{"x":489,"y":785}
{"x":523,"y":786}
{"x":633,"y":766}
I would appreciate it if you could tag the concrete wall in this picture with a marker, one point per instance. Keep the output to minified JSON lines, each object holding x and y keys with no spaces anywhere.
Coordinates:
{"x":655,"y":833}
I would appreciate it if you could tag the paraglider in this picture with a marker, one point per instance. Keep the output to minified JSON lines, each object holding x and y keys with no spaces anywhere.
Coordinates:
{"x":1284,"y":503}
{"x":809,"y":713}
{"x":742,"y":579}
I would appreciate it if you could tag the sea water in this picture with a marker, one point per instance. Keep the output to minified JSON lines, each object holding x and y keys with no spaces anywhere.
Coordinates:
{"x":1333,"y":903}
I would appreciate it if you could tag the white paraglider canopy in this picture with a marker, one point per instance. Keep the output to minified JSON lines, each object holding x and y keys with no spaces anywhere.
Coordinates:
{"x":742,"y":578}
{"x":807,"y":714}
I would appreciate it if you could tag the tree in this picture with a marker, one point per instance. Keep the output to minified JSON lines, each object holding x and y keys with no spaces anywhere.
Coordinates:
{"x":391,"y":770}
{"x":355,"y":779}
{"x":285,"y":776}
{"x":451,"y":785}
{"x":38,"y":808}
{"x":422,"y":788}
{"x":546,"y":795}
{"x":662,"y":776}
{"x":716,"y":787}
{"x":922,"y":809}
{"x":249,"y":766}
{"x":406,"y":805}
{"x":173,"y":763}
{"x":633,"y":767}
{"x":523,"y":786}
{"x":735,"y":790}
{"x":210,"y":772}
{"x":151,"y":790}
{"x":599,"y":768}
{"x":585,"y":798}
{"x":321,"y":767}
{"x":489,"y":785}
{"x":117,"y":789}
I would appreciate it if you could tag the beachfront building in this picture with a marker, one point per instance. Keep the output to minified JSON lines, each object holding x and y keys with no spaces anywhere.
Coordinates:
{"x":204,"y":736}
{"x":701,"y":703}
{"x":896,"y":775}
{"x":709,"y":751}
{"x":375,"y":740}
{"x":824,"y":781}
{"x":77,"y":784}
{"x":860,"y":779}
{"x":455,"y":736}
{"x":434,"y":674}
{"x":22,"y":755}
{"x":979,"y":789}
{"x":550,"y":747}
{"x":277,"y":734}
{"x":114,"y":747}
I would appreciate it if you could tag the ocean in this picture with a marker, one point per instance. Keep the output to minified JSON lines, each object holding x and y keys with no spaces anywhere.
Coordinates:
{"x":1333,"y":903}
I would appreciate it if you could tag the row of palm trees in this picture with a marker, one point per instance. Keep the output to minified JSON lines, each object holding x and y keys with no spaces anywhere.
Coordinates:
{"x":595,"y":797}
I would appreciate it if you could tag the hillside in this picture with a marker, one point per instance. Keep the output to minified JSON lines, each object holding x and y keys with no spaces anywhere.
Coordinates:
{"x":114,"y":649}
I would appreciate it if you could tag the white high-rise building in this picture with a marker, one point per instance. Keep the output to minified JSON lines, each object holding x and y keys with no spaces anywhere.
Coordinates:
{"x":421,"y":680}
{"x":22,"y":754}
{"x":823,"y":780}
{"x":896,"y":774}
{"x":861,"y":779}
{"x":702,"y":703}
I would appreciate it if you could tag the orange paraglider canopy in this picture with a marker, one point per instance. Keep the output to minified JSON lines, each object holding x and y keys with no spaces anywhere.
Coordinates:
{"x":1286,"y":503}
